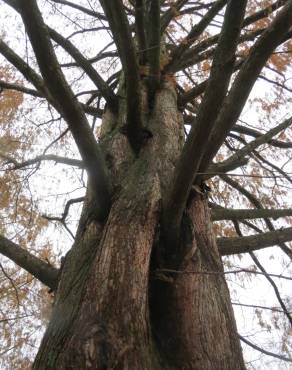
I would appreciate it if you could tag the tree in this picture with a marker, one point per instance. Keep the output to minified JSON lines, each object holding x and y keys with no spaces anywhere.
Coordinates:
{"x":143,"y":285}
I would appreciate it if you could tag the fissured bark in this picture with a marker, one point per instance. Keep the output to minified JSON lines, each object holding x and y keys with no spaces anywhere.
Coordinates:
{"x":118,"y":305}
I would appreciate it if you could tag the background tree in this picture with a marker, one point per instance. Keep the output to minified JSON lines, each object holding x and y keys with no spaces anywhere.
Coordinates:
{"x":143,"y":285}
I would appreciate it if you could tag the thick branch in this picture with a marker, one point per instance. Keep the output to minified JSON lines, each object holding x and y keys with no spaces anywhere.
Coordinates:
{"x":250,"y":147}
{"x":242,"y":214}
{"x":154,"y":47}
{"x":245,"y":244}
{"x":27,"y":72}
{"x":140,"y":30}
{"x":23,"y":89}
{"x":253,"y":200}
{"x":245,"y":80}
{"x":72,"y":112}
{"x":254,"y":133}
{"x":41,"y":270}
{"x":221,"y":72}
{"x":197,"y":54}
{"x":207,"y":43}
{"x":120,"y":29}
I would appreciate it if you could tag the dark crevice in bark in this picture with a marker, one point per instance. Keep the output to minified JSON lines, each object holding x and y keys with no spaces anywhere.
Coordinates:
{"x":191,"y":316}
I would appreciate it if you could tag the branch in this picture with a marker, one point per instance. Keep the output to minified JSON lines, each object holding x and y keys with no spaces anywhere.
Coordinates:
{"x":16,"y":87}
{"x":263,"y":13}
{"x":275,"y":288}
{"x":245,"y":244}
{"x":102,"y":86}
{"x":235,"y":101}
{"x":12,"y":86}
{"x":41,"y":270}
{"x":171,"y":12}
{"x":119,"y":25}
{"x":81,"y":8}
{"x":140,"y":31}
{"x":250,"y":147}
{"x":62,"y":219}
{"x":254,"y":133}
{"x":206,"y":273}
{"x":266,"y":275}
{"x":40,"y":158}
{"x":27,"y":72}
{"x":223,"y":167}
{"x":178,"y":52}
{"x":221,"y":71}
{"x":197,"y":53}
{"x":154,"y":47}
{"x":72,"y":112}
{"x":207,"y":43}
{"x":218,"y":214}
{"x":274,"y":309}
{"x":264,"y":351}
{"x":254,"y":201}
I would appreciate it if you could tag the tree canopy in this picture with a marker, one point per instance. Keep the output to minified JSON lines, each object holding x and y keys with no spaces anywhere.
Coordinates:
{"x":66,"y":64}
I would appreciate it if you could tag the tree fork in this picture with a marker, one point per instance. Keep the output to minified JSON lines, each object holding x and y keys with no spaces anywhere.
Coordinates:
{"x":101,"y":317}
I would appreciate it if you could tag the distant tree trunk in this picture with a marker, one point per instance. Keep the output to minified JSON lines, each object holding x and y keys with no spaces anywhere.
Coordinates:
{"x":116,"y":306}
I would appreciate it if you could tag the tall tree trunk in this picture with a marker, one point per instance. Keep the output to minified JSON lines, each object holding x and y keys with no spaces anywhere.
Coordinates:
{"x":192,"y":316}
{"x":116,"y":307}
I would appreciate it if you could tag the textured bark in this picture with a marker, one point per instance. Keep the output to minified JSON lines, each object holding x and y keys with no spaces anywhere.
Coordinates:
{"x":192,"y":313}
{"x":113,"y":309}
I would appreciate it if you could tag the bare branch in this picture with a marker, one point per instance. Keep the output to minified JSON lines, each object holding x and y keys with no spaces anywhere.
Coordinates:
{"x":246,"y":244}
{"x":41,"y":270}
{"x":23,"y":89}
{"x":40,"y":158}
{"x":12,"y":86}
{"x":253,"y":200}
{"x":171,"y":12}
{"x":234,"y":102}
{"x":118,"y":22}
{"x":140,"y":30}
{"x":27,"y":71}
{"x":275,"y":288}
{"x":154,"y":47}
{"x":263,"y":350}
{"x":197,"y":54}
{"x":263,"y":13}
{"x":62,"y":219}
{"x":178,"y":52}
{"x":193,"y":53}
{"x":218,"y":214}
{"x":102,"y":86}
{"x":274,"y":309}
{"x":237,"y":271}
{"x":81,"y":9}
{"x":221,"y":71}
{"x":250,"y":147}
{"x":72,"y":112}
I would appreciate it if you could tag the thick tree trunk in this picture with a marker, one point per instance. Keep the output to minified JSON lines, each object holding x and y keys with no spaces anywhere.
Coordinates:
{"x":116,"y":307}
{"x":192,"y":317}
